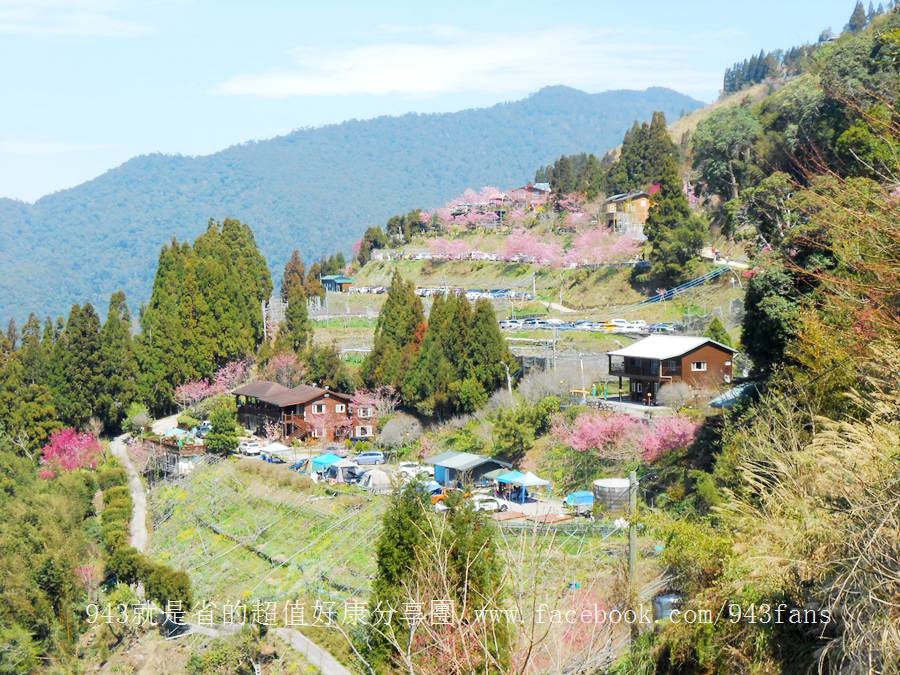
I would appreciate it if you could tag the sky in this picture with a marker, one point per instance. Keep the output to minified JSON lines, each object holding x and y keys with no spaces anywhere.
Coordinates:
{"x":87,"y":84}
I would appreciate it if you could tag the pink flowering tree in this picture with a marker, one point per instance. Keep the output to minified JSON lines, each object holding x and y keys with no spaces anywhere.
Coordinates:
{"x":666,"y":434}
{"x":69,"y":450}
{"x":383,"y":400}
{"x":231,"y":375}
{"x":454,"y":249}
{"x":612,"y":436}
{"x":599,"y":246}
{"x":191,"y":393}
{"x":524,"y":244}
{"x":285,"y":369}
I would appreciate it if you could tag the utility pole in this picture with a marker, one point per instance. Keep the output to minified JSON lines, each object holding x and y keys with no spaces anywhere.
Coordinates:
{"x":632,"y":545}
{"x":508,"y":380}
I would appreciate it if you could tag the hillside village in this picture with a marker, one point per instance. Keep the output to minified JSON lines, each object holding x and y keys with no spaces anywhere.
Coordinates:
{"x":554,"y":427}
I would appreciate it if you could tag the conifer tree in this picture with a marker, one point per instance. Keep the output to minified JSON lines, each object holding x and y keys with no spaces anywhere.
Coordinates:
{"x":294,"y":274}
{"x":490,"y":352}
{"x":398,"y":333}
{"x":12,"y":334}
{"x":857,"y":19}
{"x":716,"y":331}
{"x":397,"y":550}
{"x":296,"y":333}
{"x":119,"y":364}
{"x":427,"y":383}
{"x":77,"y":380}
{"x":674,"y":234}
{"x":32,"y":353}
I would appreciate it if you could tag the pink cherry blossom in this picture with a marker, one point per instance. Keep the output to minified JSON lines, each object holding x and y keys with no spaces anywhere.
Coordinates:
{"x":524,"y":245}
{"x":601,"y":246}
{"x":666,"y":434}
{"x":69,"y":450}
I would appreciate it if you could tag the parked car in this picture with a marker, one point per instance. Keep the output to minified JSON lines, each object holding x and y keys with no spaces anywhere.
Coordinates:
{"x":370,"y":457}
{"x":412,"y":469}
{"x":640,"y":323}
{"x":617,"y":325}
{"x":662,"y":328}
{"x":487,"y":504}
{"x":249,"y":447}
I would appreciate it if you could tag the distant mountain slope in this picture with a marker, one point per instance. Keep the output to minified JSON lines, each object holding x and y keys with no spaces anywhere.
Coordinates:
{"x":316,"y":189}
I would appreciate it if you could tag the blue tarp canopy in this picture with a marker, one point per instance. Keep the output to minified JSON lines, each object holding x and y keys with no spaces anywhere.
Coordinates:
{"x":322,"y":462}
{"x":580,"y":498}
{"x":510,"y":477}
{"x":732,"y":396}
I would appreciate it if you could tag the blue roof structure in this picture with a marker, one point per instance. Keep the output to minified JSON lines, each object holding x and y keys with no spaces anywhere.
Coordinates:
{"x":322,"y":462}
{"x":732,"y":396}
{"x":580,"y":498}
{"x":509,"y":477}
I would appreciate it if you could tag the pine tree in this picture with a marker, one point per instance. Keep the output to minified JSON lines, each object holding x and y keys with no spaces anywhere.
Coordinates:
{"x":428,"y":382}
{"x":398,"y":333}
{"x":674,"y":234}
{"x":12,"y":335}
{"x":77,"y":380}
{"x":716,"y":331}
{"x":870,"y":13}
{"x":293,"y":276}
{"x":397,"y":550}
{"x":490,"y":352}
{"x":857,"y":19}
{"x":222,"y":438}
{"x":119,"y":364}
{"x":296,"y":333}
{"x":31,"y":352}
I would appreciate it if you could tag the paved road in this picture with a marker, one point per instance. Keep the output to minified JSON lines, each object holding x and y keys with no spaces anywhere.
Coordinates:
{"x":138,"y":524}
{"x":313,"y":653}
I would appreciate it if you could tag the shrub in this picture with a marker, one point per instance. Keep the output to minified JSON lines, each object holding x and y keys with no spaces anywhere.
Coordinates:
{"x":187,"y":422}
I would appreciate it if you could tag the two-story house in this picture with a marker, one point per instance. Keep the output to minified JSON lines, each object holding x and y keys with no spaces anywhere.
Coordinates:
{"x":303,"y":412}
{"x":658,"y":360}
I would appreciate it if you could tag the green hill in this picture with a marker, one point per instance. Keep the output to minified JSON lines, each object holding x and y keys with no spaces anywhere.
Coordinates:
{"x":316,"y":189}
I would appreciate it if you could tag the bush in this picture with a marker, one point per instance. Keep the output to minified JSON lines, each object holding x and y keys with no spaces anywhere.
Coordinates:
{"x":165,"y":585}
{"x":401,"y":430}
{"x":187,"y":422}
{"x":137,"y":417}
{"x":126,"y":564}
{"x":110,"y":475}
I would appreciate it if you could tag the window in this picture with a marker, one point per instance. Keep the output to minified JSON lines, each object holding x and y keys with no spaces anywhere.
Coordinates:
{"x":698,"y":366}
{"x":340,"y":407}
{"x":364,"y":411}
{"x":637,"y":387}
{"x":318,"y":408}
{"x":362,"y":432}
{"x":728,"y":363}
{"x":672,"y":364}
{"x":316,"y":432}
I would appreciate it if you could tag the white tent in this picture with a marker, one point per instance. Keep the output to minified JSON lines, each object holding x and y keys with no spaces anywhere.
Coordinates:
{"x":528,"y":479}
{"x":376,"y":480}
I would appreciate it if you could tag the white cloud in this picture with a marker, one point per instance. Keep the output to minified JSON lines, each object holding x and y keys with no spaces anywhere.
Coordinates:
{"x":449,"y":60}
{"x":81,"y":18}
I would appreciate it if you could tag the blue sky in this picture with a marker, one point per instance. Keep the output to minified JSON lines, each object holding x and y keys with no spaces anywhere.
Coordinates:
{"x":88,"y":84}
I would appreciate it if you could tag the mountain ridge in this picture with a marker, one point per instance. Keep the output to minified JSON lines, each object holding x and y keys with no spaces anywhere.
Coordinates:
{"x":315,"y":189}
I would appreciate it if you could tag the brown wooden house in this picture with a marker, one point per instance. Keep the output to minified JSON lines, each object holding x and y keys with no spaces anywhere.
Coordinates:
{"x":658,"y":360}
{"x":303,"y":412}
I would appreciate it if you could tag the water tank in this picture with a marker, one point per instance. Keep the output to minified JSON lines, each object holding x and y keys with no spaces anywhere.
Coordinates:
{"x":612,"y":493}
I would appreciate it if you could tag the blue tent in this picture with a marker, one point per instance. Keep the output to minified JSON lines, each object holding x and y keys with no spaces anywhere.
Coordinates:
{"x":322,"y":462}
{"x":509,"y":477}
{"x":580,"y":498}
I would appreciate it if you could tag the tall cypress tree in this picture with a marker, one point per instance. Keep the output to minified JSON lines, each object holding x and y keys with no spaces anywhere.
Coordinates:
{"x":398,"y":333}
{"x":31,"y":352}
{"x":119,"y":364}
{"x":294,"y":274}
{"x":296,"y":333}
{"x":490,"y":352}
{"x":428,"y":382}
{"x":77,"y":376}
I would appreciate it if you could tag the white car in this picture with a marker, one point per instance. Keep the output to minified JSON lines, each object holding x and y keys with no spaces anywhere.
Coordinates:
{"x":412,"y":469}
{"x":488,"y":504}
{"x":249,"y":447}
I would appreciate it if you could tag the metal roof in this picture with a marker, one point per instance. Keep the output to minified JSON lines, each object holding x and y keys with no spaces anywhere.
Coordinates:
{"x":461,"y":461}
{"x":666,"y":347}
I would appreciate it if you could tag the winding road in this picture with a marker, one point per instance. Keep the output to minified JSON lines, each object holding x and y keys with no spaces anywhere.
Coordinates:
{"x":313,"y":653}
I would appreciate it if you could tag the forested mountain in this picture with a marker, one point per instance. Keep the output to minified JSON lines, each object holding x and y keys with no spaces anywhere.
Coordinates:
{"x":314,"y":188}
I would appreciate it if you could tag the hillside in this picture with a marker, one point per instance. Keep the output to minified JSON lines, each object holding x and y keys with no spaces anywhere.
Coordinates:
{"x":316,"y":189}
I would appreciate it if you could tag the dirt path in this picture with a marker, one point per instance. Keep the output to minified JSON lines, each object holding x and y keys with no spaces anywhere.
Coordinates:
{"x":313,"y":653}
{"x":138,"y":525}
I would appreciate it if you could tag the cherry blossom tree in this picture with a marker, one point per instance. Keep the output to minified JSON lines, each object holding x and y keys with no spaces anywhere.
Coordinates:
{"x":454,"y":249}
{"x":599,"y":246}
{"x":383,"y":400}
{"x":611,"y":435}
{"x":231,"y":375}
{"x":191,"y":393}
{"x":69,"y":450}
{"x":666,"y":434}
{"x":522,"y":244}
{"x":285,"y":369}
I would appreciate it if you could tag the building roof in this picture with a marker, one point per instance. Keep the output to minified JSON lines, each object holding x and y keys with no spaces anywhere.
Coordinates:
{"x":336,"y":278}
{"x":627,"y":196}
{"x":461,"y":461}
{"x":276,"y":394}
{"x":666,"y":347}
